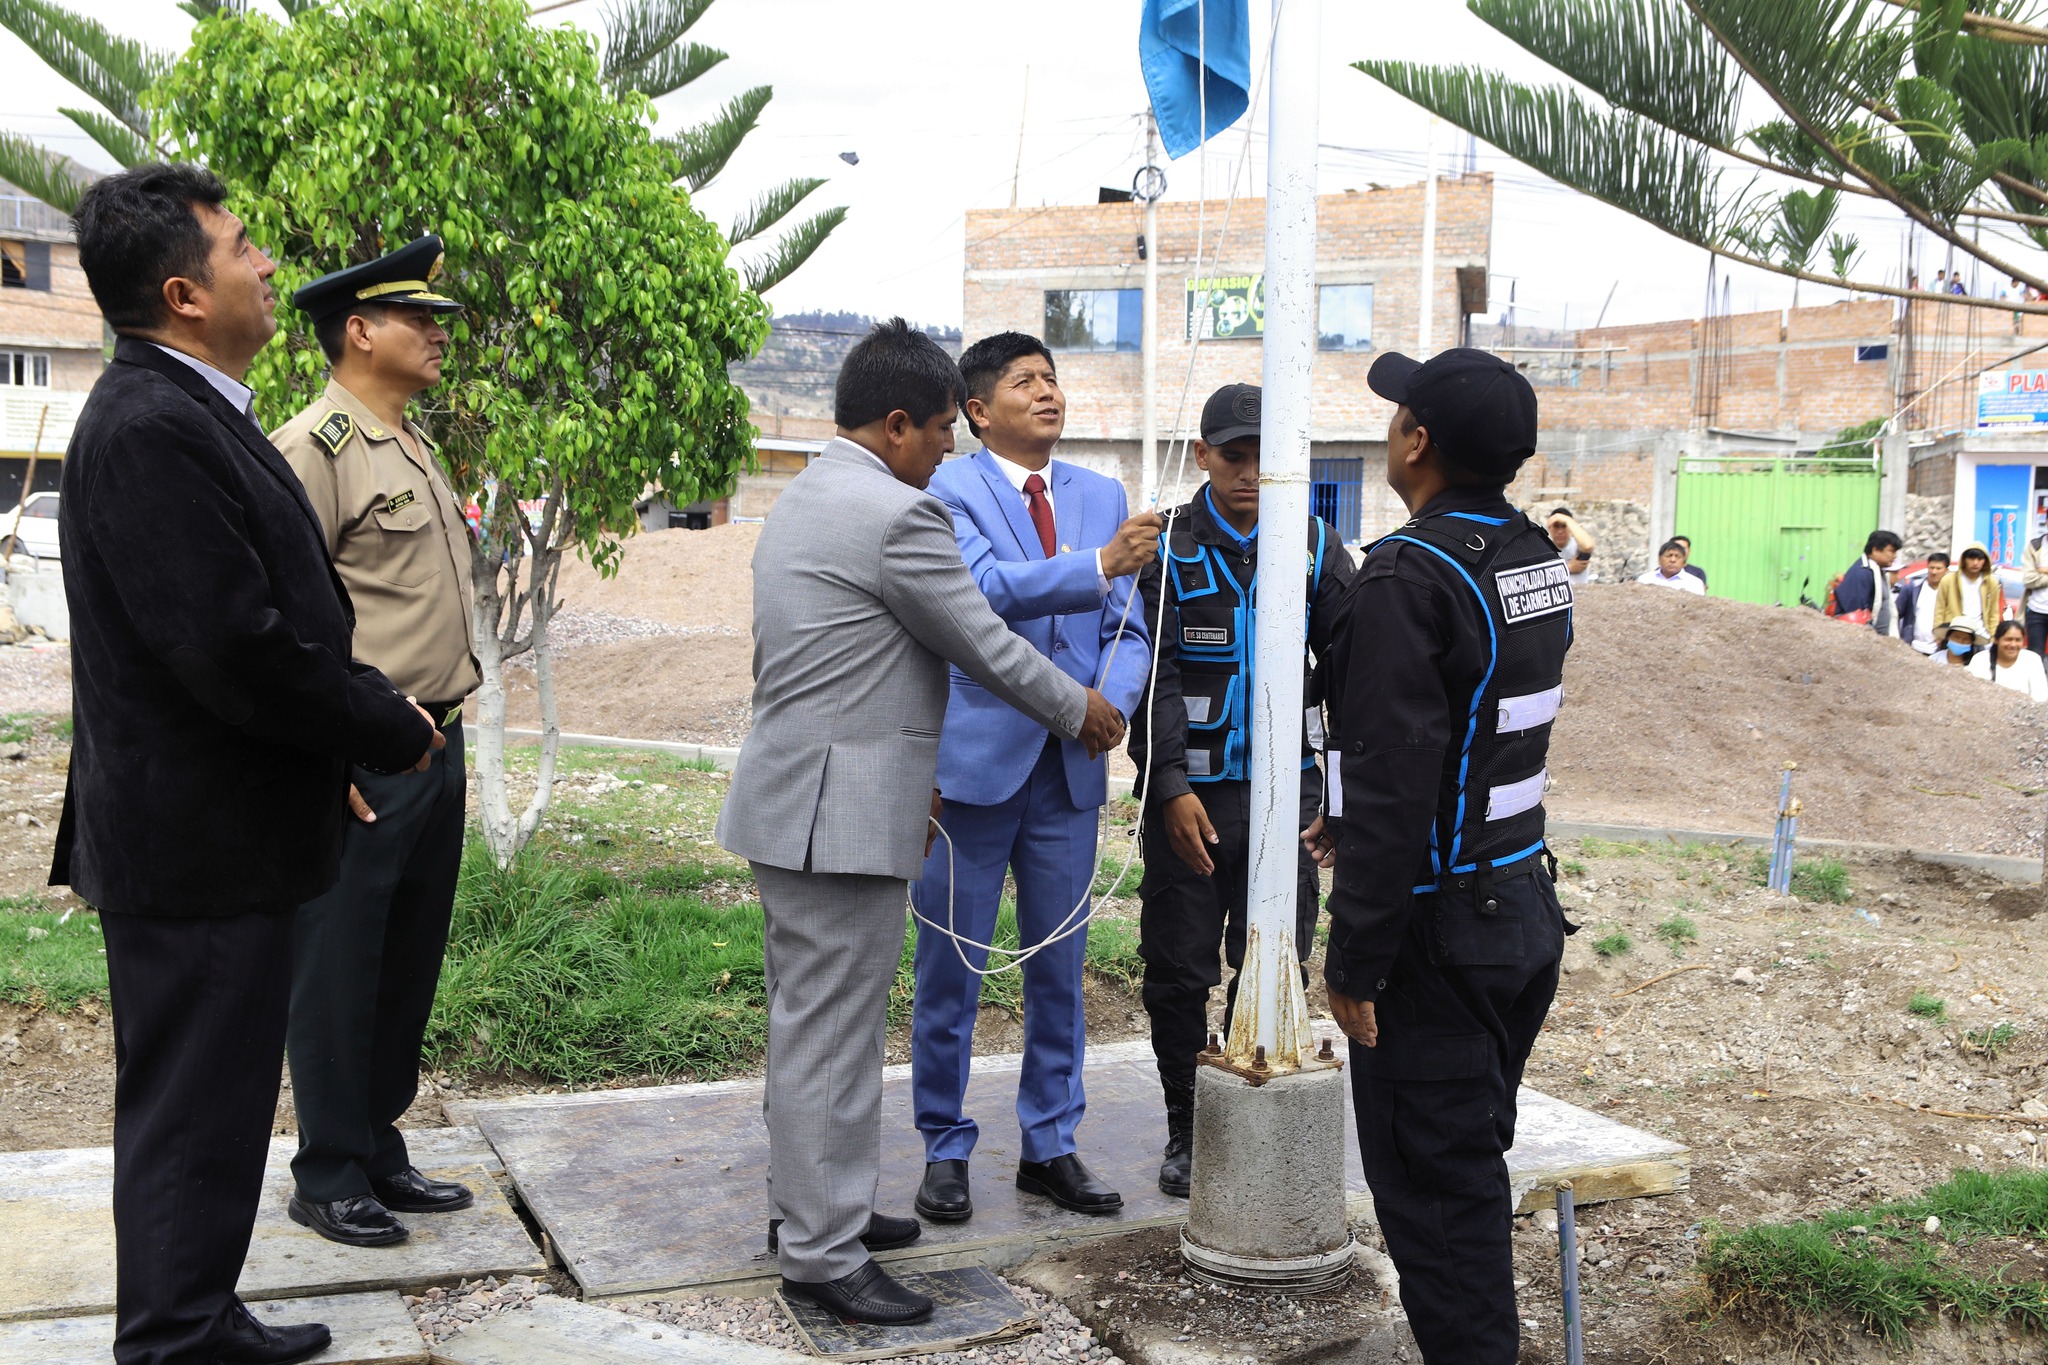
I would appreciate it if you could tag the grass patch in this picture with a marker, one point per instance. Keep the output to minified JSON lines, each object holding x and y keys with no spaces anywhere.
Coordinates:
{"x":1572,"y":867}
{"x":1993,"y":1039}
{"x":1880,"y":1267}
{"x":1594,"y":847}
{"x":1813,"y":879}
{"x":1928,"y":1007}
{"x":48,"y":961}
{"x":1679,"y":932}
{"x":1112,"y":878}
{"x":17,"y":727}
{"x":1614,"y":943}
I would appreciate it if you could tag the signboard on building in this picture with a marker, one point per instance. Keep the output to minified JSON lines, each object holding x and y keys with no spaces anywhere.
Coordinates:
{"x":21,"y":411}
{"x":1227,"y":308}
{"x":2012,"y":398}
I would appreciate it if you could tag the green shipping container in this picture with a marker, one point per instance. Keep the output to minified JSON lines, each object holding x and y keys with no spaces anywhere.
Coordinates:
{"x":1776,"y":531}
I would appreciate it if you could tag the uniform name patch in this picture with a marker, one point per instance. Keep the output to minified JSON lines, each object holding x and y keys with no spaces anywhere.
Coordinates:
{"x":1204,"y":635}
{"x":1534,"y":590}
{"x":405,"y":499}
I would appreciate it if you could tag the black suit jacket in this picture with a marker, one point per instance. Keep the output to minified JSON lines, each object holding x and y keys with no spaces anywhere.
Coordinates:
{"x":216,"y":708}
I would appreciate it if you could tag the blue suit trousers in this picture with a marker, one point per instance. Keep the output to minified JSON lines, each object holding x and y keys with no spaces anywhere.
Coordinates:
{"x":1049,"y":843}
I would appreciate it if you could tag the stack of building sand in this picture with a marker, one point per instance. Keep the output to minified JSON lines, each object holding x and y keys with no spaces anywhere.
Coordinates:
{"x":1679,"y":711}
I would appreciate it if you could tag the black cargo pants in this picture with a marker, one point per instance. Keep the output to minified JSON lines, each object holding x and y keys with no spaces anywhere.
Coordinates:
{"x":1185,"y":917}
{"x":1435,"y":1103}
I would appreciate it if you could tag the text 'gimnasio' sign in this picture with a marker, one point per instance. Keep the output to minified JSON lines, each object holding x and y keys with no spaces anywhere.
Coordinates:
{"x":1226,"y":307}
{"x":2012,"y":398}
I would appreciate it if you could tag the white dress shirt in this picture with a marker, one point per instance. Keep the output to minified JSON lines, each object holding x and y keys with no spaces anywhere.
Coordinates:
{"x":239,"y":395}
{"x":1017,"y":474}
{"x":1682,"y":581}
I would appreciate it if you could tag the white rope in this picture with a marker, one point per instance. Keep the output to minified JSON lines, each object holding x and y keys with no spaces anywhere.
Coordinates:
{"x":1015,"y":958}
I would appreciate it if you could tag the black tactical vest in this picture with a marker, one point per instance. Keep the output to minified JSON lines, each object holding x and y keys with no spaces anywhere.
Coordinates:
{"x":1491,"y":815}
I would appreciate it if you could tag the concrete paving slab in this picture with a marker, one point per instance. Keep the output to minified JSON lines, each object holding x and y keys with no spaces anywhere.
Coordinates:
{"x":559,"y":1332}
{"x":57,"y":1238}
{"x":663,"y":1188}
{"x":369,"y":1329}
{"x":971,"y":1307}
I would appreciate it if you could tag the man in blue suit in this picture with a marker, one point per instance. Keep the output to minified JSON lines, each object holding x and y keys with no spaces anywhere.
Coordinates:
{"x":1054,"y":551}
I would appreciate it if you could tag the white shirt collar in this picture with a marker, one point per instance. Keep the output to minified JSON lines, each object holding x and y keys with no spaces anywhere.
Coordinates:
{"x":239,"y":395}
{"x":856,"y":448}
{"x":1017,"y":473}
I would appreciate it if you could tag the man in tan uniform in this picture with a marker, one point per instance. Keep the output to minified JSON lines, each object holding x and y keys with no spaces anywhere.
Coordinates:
{"x":368,"y":953}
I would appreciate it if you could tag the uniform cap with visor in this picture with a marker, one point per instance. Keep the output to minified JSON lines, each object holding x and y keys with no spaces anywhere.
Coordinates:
{"x":1232,"y":413}
{"x":1479,"y":409}
{"x":403,"y":276}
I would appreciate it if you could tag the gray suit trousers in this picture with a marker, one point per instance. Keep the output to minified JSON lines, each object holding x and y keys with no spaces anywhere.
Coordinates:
{"x":833,"y":943}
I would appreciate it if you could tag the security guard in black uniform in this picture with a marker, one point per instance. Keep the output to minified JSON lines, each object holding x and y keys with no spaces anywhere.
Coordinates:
{"x":368,"y":953}
{"x":1445,"y":930}
{"x":1191,"y":743}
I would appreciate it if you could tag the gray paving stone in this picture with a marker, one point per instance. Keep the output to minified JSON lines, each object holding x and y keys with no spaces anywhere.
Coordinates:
{"x":559,"y":1332}
{"x":369,"y":1329}
{"x":57,"y":1238}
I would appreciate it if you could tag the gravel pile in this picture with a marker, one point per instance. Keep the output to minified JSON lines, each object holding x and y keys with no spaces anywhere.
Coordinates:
{"x":35,"y":678}
{"x":441,"y":1313}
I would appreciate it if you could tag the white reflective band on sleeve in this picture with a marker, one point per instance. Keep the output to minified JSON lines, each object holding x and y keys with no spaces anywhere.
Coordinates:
{"x":1198,"y":709}
{"x":1526,"y":713}
{"x":1198,"y":763}
{"x":1516,"y":797}
{"x":1313,"y":717}
{"x":1333,"y":784}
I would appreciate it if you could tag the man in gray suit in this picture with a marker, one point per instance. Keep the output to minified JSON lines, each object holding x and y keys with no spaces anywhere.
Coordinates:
{"x":860,"y":602}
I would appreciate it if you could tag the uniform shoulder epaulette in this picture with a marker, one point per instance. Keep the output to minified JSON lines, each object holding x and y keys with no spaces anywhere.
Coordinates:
{"x":334,"y":430}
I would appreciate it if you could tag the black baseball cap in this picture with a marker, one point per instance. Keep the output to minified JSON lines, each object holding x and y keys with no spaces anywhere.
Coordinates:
{"x":1480,"y":410}
{"x":1232,"y":413}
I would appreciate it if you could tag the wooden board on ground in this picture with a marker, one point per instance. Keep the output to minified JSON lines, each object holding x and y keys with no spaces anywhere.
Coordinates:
{"x":369,"y":1329}
{"x":664,"y":1188}
{"x":557,"y":1332}
{"x":973,"y":1308}
{"x":57,"y":1237}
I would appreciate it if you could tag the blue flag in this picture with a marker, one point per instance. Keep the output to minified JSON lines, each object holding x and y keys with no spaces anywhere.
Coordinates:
{"x":1173,"y":38}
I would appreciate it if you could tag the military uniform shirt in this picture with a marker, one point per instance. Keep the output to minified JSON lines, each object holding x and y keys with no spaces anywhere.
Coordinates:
{"x":398,"y":538}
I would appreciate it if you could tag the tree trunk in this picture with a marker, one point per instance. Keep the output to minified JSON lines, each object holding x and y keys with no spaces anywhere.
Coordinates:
{"x":510,"y":544}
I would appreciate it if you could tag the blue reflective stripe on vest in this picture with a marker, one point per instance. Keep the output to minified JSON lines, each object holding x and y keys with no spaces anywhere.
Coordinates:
{"x":1474,"y":516}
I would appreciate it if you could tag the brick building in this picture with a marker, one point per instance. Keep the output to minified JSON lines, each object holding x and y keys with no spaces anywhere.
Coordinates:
{"x":52,"y":341}
{"x":1074,"y":276}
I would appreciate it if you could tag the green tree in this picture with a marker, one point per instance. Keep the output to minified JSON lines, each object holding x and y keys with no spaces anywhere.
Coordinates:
{"x":1938,"y":110}
{"x":590,"y":367}
{"x":646,"y":51}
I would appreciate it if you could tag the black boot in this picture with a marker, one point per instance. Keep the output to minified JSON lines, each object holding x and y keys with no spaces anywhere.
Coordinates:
{"x":1175,"y":1172}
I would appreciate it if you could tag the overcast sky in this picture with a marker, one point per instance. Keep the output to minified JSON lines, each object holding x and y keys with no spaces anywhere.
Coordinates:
{"x":930,"y":94}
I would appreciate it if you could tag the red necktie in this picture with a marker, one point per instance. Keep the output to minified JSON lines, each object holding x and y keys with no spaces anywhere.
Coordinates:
{"x":1041,"y":512}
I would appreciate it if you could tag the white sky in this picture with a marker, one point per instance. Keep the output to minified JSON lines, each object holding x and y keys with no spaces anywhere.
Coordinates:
{"x":929,"y":94}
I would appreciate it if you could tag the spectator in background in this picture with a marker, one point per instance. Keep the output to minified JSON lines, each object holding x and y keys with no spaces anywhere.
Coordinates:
{"x":2034,"y":572}
{"x":1670,"y":571}
{"x":1967,"y":605}
{"x":2009,"y":662}
{"x":1699,"y":573}
{"x":1574,"y":544}
{"x":1955,"y":284}
{"x":1941,"y":281}
{"x":1916,"y":602}
{"x":1864,"y":594}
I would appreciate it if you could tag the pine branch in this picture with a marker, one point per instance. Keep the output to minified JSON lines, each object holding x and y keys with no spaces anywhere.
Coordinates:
{"x":1990,"y":26}
{"x":771,"y":208}
{"x":638,"y":31}
{"x":45,"y":175}
{"x":115,"y":71}
{"x":702,"y":151}
{"x":793,"y":250}
{"x":117,"y":138}
{"x":669,"y":70}
{"x":294,"y":8}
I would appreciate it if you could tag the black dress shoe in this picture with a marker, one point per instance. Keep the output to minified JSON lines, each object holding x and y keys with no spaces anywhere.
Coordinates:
{"x":249,"y":1342}
{"x":1176,"y":1171}
{"x":358,"y":1221}
{"x":867,"y":1295}
{"x":943,"y":1196}
{"x":411,"y":1192}
{"x":885,"y":1233}
{"x":1068,"y":1182}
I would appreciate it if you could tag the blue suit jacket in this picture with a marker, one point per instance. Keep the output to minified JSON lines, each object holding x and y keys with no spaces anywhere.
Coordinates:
{"x":988,"y":747}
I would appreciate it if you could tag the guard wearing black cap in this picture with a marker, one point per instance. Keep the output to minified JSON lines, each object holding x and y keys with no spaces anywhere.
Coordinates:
{"x":1191,"y":741}
{"x":368,"y":953}
{"x":1445,"y":930}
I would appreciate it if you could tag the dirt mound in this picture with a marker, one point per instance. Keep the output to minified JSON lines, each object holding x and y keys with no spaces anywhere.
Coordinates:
{"x":1679,"y":710}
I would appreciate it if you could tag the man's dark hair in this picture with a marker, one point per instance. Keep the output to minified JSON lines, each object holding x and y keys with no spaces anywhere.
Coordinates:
{"x":137,"y":229}
{"x":1562,"y":512}
{"x":1685,"y":541}
{"x":1939,"y":557}
{"x":895,"y":366}
{"x":983,"y":363}
{"x":332,"y":331}
{"x":1461,"y":475}
{"x":1882,"y":540}
{"x":1672,"y":544}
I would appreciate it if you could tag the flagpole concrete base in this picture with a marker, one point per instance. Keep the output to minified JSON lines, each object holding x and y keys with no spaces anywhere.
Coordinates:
{"x":1267,"y":1206}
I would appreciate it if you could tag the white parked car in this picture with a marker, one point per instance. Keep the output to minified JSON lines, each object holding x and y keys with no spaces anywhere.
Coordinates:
{"x":38,"y":533}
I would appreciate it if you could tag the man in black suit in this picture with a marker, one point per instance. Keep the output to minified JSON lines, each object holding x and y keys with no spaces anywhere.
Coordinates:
{"x":216,"y":713}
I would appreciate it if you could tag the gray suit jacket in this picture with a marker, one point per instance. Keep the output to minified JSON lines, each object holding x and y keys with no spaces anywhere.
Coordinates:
{"x":860,"y":601}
